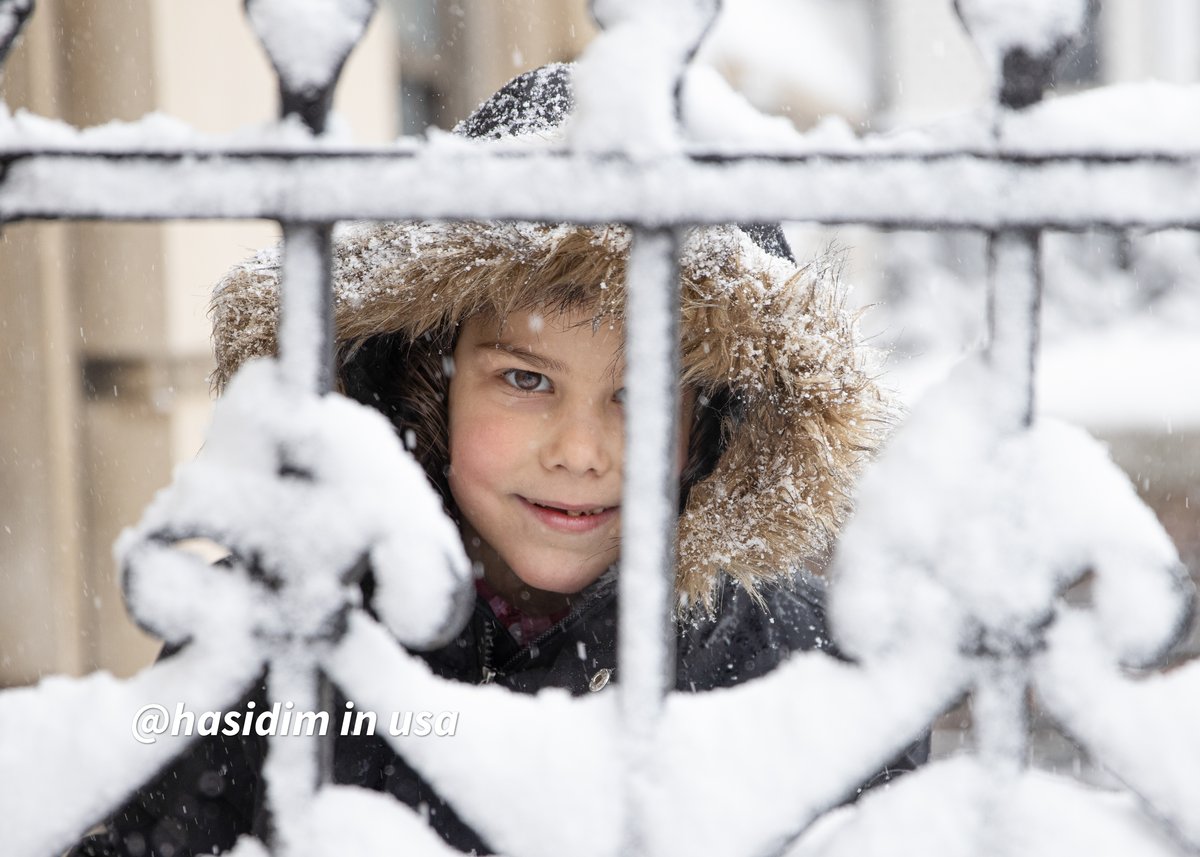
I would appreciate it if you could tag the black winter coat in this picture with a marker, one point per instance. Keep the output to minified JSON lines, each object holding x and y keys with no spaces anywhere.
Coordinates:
{"x":214,"y":792}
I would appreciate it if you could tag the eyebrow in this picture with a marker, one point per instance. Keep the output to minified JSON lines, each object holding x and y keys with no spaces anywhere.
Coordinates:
{"x":525,"y":354}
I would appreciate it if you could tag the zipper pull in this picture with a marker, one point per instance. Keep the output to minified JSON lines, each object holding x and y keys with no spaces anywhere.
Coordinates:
{"x":599,"y":680}
{"x":489,"y":675}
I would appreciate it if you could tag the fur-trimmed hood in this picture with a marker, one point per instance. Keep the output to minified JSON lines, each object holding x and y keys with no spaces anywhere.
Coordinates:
{"x":775,"y":336}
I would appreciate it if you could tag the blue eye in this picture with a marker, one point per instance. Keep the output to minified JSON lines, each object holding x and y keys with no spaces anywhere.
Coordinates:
{"x":619,"y":396}
{"x":527,"y":382}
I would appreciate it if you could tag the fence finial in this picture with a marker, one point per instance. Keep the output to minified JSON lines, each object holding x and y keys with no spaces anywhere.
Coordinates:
{"x":1023,"y":40}
{"x":307,"y":42}
{"x":13,"y":14}
{"x":628,"y":80}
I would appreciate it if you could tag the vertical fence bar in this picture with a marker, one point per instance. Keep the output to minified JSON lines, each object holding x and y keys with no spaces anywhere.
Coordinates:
{"x":1000,"y":712}
{"x":1021,"y":62}
{"x":306,"y":314}
{"x":649,"y":508}
{"x":295,"y":769}
{"x":1000,"y":708}
{"x":1014,"y":307}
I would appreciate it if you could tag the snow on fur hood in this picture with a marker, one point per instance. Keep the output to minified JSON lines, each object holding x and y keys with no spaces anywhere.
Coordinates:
{"x":776,"y":336}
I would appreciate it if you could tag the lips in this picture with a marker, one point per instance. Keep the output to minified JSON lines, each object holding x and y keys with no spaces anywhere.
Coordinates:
{"x":571,"y":511}
{"x":569,"y":517}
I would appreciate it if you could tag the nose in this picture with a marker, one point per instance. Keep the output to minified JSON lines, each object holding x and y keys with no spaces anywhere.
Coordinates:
{"x":582,"y":442}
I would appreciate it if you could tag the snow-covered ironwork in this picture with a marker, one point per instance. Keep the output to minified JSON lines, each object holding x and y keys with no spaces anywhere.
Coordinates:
{"x":948,"y":582}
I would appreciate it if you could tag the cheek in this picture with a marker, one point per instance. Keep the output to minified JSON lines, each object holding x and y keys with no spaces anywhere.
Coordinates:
{"x":483,"y":445}
{"x":469,"y":452}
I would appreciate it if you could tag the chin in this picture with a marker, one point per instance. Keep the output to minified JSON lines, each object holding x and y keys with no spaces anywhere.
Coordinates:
{"x":552,"y":578}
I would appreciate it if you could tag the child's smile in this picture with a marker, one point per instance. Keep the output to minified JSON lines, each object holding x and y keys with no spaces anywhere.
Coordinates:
{"x":570,"y":518}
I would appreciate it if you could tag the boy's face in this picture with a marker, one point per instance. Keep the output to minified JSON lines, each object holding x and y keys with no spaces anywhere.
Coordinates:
{"x":536,"y":438}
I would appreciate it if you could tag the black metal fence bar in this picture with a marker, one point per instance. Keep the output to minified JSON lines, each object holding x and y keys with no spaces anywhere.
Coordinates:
{"x":294,"y":770}
{"x":1000,"y":705}
{"x":894,"y":191}
{"x":650,"y":486}
{"x":306,"y":323}
{"x":1014,"y":305}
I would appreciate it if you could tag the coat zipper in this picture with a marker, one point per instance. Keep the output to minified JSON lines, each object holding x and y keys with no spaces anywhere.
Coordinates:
{"x":489,"y":642}
{"x":490,"y":673}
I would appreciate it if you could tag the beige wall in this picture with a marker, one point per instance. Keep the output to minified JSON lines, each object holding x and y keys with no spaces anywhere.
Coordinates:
{"x":41,"y":587}
{"x":41,"y":562}
{"x":103,"y":382}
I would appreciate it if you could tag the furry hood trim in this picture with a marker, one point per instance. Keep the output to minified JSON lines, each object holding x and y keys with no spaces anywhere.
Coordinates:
{"x":776,"y":337}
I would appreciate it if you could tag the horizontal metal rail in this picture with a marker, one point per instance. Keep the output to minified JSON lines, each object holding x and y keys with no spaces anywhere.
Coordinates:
{"x":891,"y":190}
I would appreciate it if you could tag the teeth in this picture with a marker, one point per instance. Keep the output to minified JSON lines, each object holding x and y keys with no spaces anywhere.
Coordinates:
{"x":571,"y":514}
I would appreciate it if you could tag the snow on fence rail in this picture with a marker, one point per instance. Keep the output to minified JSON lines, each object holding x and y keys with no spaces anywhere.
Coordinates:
{"x":948,"y":589}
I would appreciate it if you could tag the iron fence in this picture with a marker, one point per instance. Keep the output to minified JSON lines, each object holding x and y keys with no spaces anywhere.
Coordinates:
{"x":978,"y":609}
